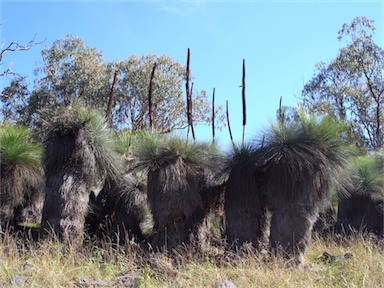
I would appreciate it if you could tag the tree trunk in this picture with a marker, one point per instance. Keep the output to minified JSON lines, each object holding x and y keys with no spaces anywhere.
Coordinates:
{"x":244,"y":209}
{"x":69,"y":169}
{"x":291,"y":227}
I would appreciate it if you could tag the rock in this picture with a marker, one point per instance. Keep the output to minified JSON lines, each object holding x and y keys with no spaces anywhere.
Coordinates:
{"x":86,"y":282}
{"x":27,"y":266}
{"x":126,"y":280}
{"x":224,"y":284}
{"x":18,"y":280}
{"x":328,"y":258}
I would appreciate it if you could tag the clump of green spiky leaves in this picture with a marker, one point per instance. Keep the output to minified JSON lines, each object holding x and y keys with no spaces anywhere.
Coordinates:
{"x":240,"y":155}
{"x":307,"y":144}
{"x":155,"y":149}
{"x":124,"y":139}
{"x":367,"y":177}
{"x":18,"y":147}
{"x":96,"y":132}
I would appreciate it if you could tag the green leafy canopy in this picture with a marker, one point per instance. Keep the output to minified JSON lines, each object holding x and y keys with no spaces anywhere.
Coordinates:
{"x":154,"y":149}
{"x":17,"y":146}
{"x":367,"y":176}
{"x":71,"y":118}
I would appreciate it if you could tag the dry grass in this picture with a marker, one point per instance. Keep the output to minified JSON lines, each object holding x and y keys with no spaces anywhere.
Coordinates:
{"x":50,"y":264}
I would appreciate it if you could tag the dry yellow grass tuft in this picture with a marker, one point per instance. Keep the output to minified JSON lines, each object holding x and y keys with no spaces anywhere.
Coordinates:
{"x":356,"y":262}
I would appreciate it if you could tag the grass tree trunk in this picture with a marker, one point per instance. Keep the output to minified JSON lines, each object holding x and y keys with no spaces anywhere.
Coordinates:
{"x":10,"y":193}
{"x":119,"y":209}
{"x":200,"y":231}
{"x":179,"y":182}
{"x":244,"y":208}
{"x":360,"y":213}
{"x":295,"y":201}
{"x":290,"y":230}
{"x":69,"y":168}
{"x":173,"y":195}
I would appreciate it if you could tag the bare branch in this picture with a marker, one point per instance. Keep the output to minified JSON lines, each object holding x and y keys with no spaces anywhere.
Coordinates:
{"x":14,"y":47}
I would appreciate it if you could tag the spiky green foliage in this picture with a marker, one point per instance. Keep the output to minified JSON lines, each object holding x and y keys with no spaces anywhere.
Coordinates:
{"x":367,"y":177}
{"x":69,"y":119}
{"x":124,"y":140}
{"x":379,"y":158}
{"x":155,"y":149}
{"x":361,"y":207}
{"x":17,"y":146}
{"x":21,"y":171}
{"x":294,"y":151}
{"x":240,"y":155}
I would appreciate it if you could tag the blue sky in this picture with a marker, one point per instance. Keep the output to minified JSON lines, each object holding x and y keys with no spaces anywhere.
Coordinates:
{"x":281,"y":42}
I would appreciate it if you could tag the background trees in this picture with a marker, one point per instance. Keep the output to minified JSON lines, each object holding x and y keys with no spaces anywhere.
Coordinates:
{"x":13,"y":47}
{"x":351,"y":86}
{"x":14,"y":96}
{"x":168,"y":102}
{"x":70,"y":71}
{"x":73,"y":71}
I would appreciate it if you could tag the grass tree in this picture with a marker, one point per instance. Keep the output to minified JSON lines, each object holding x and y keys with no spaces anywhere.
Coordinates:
{"x":179,"y":176}
{"x":300,"y":159}
{"x":118,"y":210}
{"x":78,"y":147}
{"x":244,"y":198}
{"x":22,"y":175}
{"x":361,"y":208}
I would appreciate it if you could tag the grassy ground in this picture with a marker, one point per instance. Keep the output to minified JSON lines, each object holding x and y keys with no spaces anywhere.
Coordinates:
{"x":50,"y":264}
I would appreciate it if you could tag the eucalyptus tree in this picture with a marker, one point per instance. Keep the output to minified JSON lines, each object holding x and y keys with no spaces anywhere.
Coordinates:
{"x":78,"y":147}
{"x":71,"y":70}
{"x":14,"y":99}
{"x":180,"y":175}
{"x":351,"y":86}
{"x":21,"y":173}
{"x":168,"y":103}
